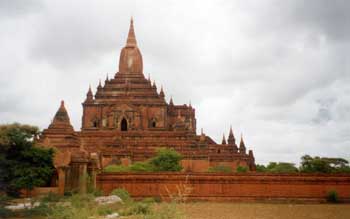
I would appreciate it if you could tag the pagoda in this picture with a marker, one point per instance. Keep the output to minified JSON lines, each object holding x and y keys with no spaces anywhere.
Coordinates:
{"x":128,"y":118}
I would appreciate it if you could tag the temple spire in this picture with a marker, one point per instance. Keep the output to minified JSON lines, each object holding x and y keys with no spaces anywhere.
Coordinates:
{"x":130,"y":60}
{"x":131,"y":41}
{"x":231,"y":138}
{"x":61,"y":120}
{"x":242,"y":148}
{"x":171,"y":101}
{"x":161,"y":91}
{"x":89,"y":95}
{"x":223,"y":139}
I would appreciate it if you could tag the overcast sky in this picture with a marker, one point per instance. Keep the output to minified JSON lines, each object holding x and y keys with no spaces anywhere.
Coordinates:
{"x":277,"y":71}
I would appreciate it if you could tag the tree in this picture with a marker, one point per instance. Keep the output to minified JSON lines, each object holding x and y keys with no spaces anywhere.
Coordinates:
{"x":260,"y":168}
{"x":280,"y":167}
{"x":167,"y":159}
{"x":23,"y":166}
{"x":323,"y":165}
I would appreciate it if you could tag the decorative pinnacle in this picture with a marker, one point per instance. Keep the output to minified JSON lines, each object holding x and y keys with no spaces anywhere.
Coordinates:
{"x":161,"y":91}
{"x":62,"y":103}
{"x":242,"y":145}
{"x":154,"y":84}
{"x":131,"y":41}
{"x":223,"y":139}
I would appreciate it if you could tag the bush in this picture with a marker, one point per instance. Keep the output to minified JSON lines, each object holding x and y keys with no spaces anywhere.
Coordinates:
{"x":4,"y":212}
{"x":42,"y":210}
{"x":167,"y":159}
{"x":51,"y":197}
{"x":141,"y":167}
{"x":241,"y":169}
{"x":104,"y":210}
{"x":121,"y":193}
{"x":220,"y":169}
{"x":141,"y":208}
{"x":116,"y":168}
{"x":149,"y":200}
{"x":332,"y":196}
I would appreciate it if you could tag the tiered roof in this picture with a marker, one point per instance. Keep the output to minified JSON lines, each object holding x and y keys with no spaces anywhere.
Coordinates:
{"x":129,"y":83}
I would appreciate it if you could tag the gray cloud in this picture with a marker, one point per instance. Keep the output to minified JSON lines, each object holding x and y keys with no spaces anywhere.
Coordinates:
{"x":14,"y":8}
{"x":278,"y":71}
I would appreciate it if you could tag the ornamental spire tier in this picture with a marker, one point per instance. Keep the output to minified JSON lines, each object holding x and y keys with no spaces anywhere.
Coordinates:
{"x":130,"y":61}
{"x":242,"y":148}
{"x":61,"y":120}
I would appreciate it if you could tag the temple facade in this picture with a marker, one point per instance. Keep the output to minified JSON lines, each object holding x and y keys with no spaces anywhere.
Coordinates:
{"x":128,"y":118}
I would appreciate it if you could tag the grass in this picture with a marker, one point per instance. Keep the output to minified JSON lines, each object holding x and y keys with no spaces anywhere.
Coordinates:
{"x":229,"y":210}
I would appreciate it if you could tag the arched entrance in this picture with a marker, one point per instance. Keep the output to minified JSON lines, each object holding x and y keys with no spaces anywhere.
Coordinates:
{"x":124,"y":125}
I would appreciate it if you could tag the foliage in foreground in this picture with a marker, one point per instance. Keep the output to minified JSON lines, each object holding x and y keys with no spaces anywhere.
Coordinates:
{"x":167,"y":159}
{"x":123,"y":194}
{"x":332,"y":196}
{"x":80,"y":206}
{"x":23,"y":166}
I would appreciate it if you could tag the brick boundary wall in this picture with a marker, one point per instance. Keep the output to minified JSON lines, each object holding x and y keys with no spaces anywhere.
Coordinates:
{"x":229,"y":187}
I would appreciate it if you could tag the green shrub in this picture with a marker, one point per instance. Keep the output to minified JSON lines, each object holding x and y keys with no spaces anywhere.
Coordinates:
{"x":121,"y":193}
{"x":220,"y":169}
{"x":141,"y":167}
{"x":116,"y":168}
{"x":141,"y":208}
{"x":51,"y":197}
{"x":104,"y":210}
{"x":4,"y":212}
{"x":42,"y":210}
{"x":332,"y":196}
{"x":241,"y":169}
{"x":149,"y":200}
{"x":167,"y":159}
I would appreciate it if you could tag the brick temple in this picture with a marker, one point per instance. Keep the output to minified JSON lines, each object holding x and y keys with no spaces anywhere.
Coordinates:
{"x":128,"y":118}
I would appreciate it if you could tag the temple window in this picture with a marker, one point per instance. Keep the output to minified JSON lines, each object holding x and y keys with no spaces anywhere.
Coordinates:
{"x":154,"y":124}
{"x":124,"y":125}
{"x":94,"y":123}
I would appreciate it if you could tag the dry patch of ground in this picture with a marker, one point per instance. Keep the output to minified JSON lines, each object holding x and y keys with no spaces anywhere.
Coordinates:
{"x":210,"y":210}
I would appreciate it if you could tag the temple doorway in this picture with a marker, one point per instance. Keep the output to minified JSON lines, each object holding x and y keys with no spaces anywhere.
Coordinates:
{"x":124,"y":125}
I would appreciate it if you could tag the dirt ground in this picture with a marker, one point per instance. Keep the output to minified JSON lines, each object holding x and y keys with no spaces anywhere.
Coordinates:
{"x":210,"y":210}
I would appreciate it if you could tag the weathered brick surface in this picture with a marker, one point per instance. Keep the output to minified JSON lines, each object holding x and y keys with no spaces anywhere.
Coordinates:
{"x":222,"y":187}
